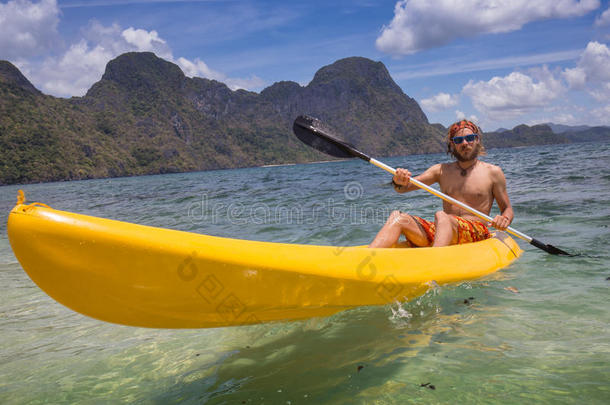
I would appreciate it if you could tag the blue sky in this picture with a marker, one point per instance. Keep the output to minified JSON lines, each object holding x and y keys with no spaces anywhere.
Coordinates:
{"x":501,"y":63}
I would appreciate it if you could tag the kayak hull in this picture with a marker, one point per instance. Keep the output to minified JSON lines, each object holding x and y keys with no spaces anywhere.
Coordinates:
{"x":152,"y":277}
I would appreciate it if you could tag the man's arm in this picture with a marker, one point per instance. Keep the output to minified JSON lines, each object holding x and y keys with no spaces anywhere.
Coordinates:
{"x":402,"y":178}
{"x":500,"y":194}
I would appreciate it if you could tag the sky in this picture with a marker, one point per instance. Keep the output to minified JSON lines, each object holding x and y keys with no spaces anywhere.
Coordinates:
{"x":500,"y":63}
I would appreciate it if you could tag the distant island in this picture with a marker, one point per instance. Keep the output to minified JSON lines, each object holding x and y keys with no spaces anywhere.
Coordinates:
{"x":146,"y":117}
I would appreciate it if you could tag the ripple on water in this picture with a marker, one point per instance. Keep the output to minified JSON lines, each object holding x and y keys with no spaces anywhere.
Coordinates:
{"x":535,"y":332}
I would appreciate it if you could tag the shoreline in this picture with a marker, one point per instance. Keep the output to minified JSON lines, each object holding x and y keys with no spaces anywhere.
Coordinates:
{"x":275,"y":165}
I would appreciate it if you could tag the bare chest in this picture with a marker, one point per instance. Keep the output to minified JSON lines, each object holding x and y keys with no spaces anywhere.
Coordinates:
{"x":475,"y":188}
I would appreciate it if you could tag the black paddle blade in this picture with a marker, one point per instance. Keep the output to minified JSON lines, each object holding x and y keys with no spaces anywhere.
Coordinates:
{"x":549,"y":248}
{"x":316,"y":134}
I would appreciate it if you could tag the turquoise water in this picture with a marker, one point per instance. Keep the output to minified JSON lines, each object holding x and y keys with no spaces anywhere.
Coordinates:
{"x":535,"y":332}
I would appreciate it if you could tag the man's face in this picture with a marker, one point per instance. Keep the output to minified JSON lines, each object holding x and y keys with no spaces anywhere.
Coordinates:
{"x":465,"y":151}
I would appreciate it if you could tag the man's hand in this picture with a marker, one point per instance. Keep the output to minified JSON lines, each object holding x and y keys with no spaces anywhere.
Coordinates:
{"x":402,"y":177}
{"x":500,"y":222}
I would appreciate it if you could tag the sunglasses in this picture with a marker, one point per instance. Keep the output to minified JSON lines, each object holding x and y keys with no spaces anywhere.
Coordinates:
{"x":469,"y":138}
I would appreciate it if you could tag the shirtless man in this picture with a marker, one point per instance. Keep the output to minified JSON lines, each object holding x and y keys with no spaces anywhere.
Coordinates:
{"x":474,"y":182}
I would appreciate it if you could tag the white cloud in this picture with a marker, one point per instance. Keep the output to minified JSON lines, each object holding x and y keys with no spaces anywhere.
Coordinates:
{"x":28,"y":28}
{"x":565,"y":118}
{"x":595,"y":61}
{"x":515,"y":94}
{"x":199,"y":68}
{"x":592,"y":72}
{"x":84,"y":62}
{"x":29,"y":38}
{"x":460,"y":115}
{"x":422,"y":24}
{"x":604,"y":19}
{"x":601,"y":115}
{"x":537,"y":91}
{"x":439,"y":102}
{"x":601,"y":92}
{"x":572,"y":114}
{"x":144,"y":41}
{"x":576,"y":77}
{"x":75,"y":70}
{"x":249,"y":83}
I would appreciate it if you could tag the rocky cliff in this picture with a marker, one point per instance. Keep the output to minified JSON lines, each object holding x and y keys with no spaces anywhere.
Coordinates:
{"x":144,"y":116}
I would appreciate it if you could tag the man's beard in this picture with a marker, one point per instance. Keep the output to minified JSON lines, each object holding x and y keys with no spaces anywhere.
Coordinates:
{"x":467,"y":156}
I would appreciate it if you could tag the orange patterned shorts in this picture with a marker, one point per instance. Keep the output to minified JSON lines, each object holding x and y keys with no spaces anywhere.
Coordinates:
{"x":468,"y":231}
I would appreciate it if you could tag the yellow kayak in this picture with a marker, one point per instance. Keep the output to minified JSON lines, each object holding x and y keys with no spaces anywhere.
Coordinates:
{"x":160,"y":278}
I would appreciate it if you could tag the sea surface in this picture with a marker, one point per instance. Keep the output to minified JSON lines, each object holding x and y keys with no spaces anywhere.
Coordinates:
{"x":536,"y":332}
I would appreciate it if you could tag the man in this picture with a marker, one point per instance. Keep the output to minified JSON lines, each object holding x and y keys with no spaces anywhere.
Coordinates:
{"x":474,"y":182}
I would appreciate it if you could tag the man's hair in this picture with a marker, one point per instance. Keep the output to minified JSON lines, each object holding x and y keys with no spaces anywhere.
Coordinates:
{"x":455,"y":127}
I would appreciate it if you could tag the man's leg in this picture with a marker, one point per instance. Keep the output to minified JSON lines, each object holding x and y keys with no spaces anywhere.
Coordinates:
{"x":446,"y":229}
{"x":396,"y":225}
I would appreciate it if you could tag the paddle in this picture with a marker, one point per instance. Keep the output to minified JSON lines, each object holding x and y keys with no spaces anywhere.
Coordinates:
{"x":319,"y":136}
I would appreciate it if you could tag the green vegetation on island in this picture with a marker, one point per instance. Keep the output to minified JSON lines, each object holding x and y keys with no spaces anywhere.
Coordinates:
{"x":146,"y":117}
